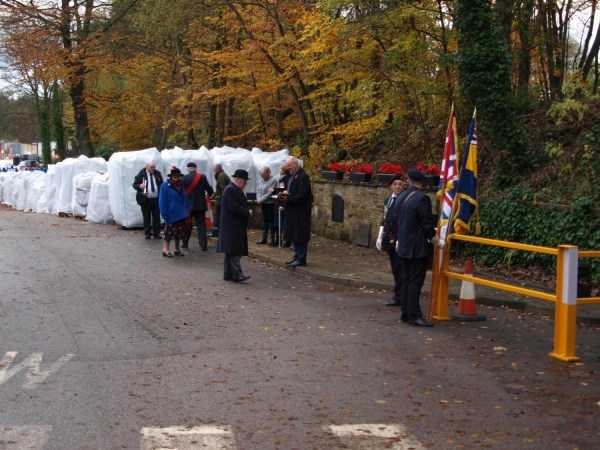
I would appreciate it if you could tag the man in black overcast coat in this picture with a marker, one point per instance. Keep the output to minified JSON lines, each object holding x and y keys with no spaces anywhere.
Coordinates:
{"x":147,"y":185}
{"x":298,"y":204}
{"x":197,"y":187}
{"x":233,"y":236}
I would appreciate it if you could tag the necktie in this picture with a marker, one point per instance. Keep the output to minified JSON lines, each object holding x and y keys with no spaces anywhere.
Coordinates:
{"x":152,"y":182}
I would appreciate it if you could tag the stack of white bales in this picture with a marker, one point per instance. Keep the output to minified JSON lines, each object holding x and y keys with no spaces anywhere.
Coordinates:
{"x":47,"y":199}
{"x":66,"y":171}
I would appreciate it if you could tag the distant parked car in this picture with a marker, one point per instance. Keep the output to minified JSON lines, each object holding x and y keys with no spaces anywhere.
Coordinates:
{"x":28,"y":165}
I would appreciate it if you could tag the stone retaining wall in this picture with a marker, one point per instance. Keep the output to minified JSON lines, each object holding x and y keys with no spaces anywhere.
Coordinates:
{"x":363,"y":202}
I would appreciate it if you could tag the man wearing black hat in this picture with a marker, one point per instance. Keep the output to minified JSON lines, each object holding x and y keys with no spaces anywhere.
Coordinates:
{"x":388,"y":232}
{"x":233,"y":236}
{"x":416,"y":228}
{"x":197,"y":187}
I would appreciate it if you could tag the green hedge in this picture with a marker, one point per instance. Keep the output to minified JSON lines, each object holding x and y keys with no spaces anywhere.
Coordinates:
{"x":512,"y":220}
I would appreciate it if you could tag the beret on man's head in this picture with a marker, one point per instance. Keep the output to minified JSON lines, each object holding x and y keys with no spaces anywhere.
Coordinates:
{"x":416,"y":175}
{"x":192,"y":164}
{"x":396,"y":177}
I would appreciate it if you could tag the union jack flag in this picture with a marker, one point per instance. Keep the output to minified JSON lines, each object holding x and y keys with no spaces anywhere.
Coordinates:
{"x":448,"y":178}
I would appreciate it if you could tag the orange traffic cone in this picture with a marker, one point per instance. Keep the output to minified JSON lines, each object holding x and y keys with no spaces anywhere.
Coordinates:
{"x":209,"y":215}
{"x":467,"y":307}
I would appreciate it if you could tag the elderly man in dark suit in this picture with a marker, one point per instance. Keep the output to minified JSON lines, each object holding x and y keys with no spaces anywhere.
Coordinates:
{"x":388,"y":231}
{"x":298,"y":202}
{"x":147,"y":185}
{"x":416,"y":229}
{"x":233,"y":237}
{"x":197,"y":188}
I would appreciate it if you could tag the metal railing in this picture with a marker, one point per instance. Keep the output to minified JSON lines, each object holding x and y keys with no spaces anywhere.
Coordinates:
{"x":565,"y":297}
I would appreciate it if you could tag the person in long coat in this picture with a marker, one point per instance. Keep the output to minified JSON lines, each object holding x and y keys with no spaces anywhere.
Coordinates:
{"x":147,"y":184}
{"x":233,"y":236}
{"x":298,"y":200}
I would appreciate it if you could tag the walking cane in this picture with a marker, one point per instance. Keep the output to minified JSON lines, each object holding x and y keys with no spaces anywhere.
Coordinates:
{"x":279,"y":225}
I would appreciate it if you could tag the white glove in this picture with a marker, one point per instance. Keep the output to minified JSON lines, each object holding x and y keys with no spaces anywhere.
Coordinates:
{"x":379,"y":239}
{"x":396,"y":246}
{"x":439,"y":243}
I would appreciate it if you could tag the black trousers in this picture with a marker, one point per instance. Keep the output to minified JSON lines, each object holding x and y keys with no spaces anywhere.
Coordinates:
{"x":301,"y":249}
{"x":217,"y":216}
{"x":151,"y":215}
{"x":413,"y":277}
{"x":268,"y":213}
{"x":200,"y":218}
{"x":396,"y":265}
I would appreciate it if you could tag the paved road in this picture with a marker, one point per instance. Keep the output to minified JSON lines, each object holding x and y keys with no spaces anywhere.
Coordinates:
{"x":105,"y":344}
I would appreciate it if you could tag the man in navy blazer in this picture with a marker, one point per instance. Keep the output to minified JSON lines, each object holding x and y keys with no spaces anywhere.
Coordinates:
{"x":233,"y":236}
{"x":416,"y":232}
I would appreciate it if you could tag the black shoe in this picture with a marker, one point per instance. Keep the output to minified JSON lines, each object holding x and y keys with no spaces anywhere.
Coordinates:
{"x":262,"y":241}
{"x":227,"y":279}
{"x":287,"y":244}
{"x":403,"y":319}
{"x":420,"y":322}
{"x":179,"y":253}
{"x":274,"y":243}
{"x":204,"y":249}
{"x":157,"y":236}
{"x":184,"y":244}
{"x":393,"y":303}
{"x":292,"y":261}
{"x":238,"y":280}
{"x":271,"y":242}
{"x":168,"y":255}
{"x":297,"y":263}
{"x":292,"y":248}
{"x":148,"y":236}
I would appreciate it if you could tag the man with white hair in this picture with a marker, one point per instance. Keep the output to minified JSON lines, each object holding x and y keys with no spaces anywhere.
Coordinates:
{"x":298,"y":198}
{"x":147,"y":184}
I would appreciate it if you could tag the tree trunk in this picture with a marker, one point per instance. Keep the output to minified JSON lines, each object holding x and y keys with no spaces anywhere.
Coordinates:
{"x":57,"y":121}
{"x":221,"y":110}
{"x":82,"y":128}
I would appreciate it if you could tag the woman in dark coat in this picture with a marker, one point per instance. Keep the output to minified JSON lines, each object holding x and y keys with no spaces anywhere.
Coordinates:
{"x":233,"y":237}
{"x":174,"y":205}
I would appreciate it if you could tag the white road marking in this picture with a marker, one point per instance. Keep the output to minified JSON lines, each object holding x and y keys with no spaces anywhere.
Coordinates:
{"x":31,"y":364}
{"x":30,"y":437}
{"x":205,"y":437}
{"x":375,"y":436}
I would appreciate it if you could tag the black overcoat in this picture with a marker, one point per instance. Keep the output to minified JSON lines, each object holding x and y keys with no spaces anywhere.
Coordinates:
{"x":416,"y":225}
{"x":142,"y":177}
{"x":233,"y":236}
{"x":389,"y":223}
{"x":298,"y":208}
{"x":197,"y":195}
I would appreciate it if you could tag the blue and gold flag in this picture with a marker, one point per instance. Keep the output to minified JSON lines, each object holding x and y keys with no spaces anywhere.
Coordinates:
{"x":467,"y":185}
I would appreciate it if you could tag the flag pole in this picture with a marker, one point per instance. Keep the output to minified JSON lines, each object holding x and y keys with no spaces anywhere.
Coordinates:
{"x":447,"y":247}
{"x":435,"y":273}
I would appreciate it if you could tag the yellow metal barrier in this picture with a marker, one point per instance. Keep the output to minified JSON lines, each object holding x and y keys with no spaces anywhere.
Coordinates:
{"x":566,"y":289}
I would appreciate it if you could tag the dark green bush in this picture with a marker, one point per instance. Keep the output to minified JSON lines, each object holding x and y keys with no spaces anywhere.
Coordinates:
{"x":511,"y":219}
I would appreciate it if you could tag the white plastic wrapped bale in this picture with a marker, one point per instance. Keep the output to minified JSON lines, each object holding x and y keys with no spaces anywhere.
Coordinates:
{"x":35,"y":190}
{"x":47,"y":198}
{"x":98,"y":209}
{"x":67,"y":170}
{"x":122,"y":169}
{"x":3,"y":176}
{"x":180,"y":158}
{"x":20,"y":191}
{"x":82,"y":184}
{"x":232,"y":159}
{"x":9,"y":179}
{"x":273,"y":160}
